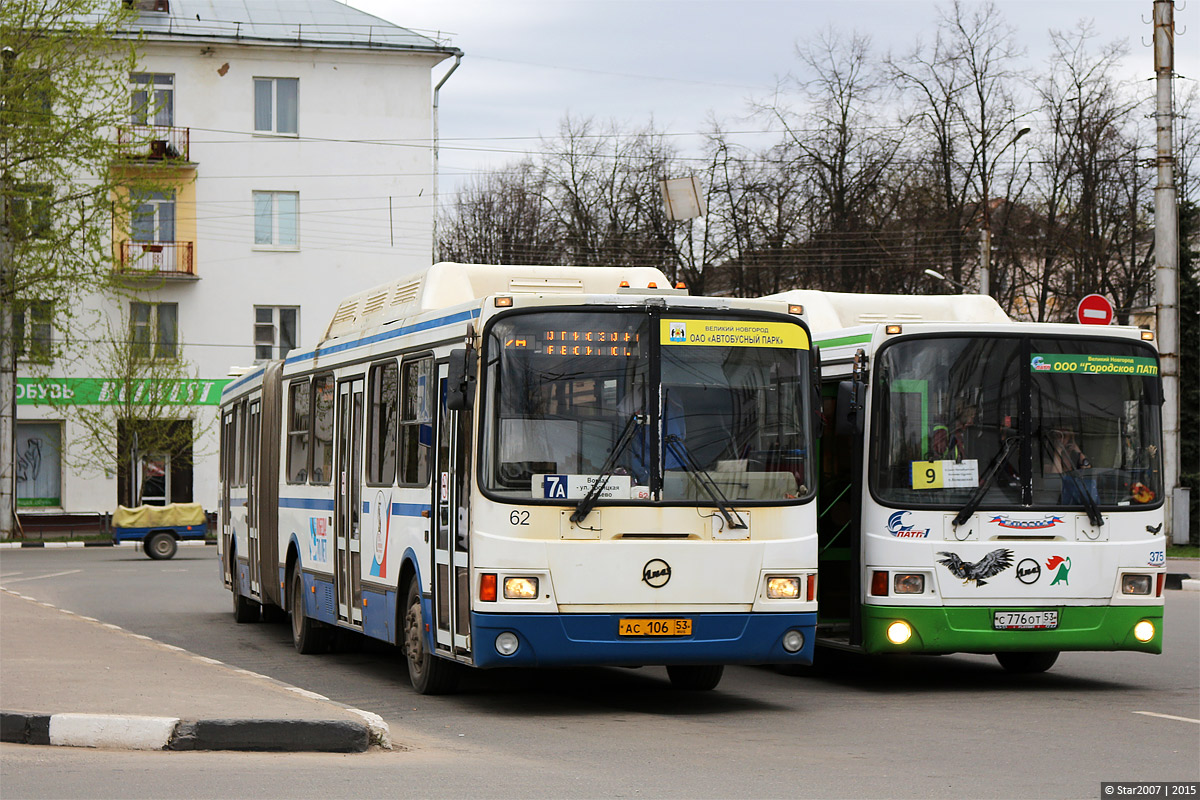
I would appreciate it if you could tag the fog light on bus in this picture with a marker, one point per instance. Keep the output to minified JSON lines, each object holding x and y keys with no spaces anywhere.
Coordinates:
{"x":520,"y":588}
{"x":783,"y":588}
{"x":899,"y":632}
{"x":909,"y":583}
{"x":507,"y":643}
{"x":1143,"y":631}
{"x":793,"y":641}
{"x":1135,"y":584}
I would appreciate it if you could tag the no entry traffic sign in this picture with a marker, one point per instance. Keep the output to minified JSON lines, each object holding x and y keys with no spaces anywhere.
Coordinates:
{"x":1095,"y":309}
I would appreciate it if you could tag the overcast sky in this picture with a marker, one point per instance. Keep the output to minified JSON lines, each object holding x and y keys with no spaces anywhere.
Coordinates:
{"x":527,"y":63}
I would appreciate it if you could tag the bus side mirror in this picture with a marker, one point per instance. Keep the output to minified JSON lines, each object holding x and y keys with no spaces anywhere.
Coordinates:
{"x":848,"y":417}
{"x":460,"y":381}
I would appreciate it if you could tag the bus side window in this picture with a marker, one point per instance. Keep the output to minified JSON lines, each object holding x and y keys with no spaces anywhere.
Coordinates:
{"x":416,"y":420}
{"x":382,"y":423}
{"x":321,"y":460}
{"x":299,"y":422}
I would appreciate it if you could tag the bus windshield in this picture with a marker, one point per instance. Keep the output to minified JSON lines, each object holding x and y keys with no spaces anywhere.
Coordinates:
{"x":575,"y":397}
{"x":1084,"y":414}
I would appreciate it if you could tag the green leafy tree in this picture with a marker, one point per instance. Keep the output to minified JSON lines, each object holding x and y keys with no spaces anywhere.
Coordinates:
{"x":64,"y":93}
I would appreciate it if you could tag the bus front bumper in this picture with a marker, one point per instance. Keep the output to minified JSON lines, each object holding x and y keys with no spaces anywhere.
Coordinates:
{"x":959,"y":629}
{"x":554,"y":640}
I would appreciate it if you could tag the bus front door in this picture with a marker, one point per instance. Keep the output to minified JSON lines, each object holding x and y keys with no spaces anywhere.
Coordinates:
{"x":451,"y":557}
{"x":347,"y":512}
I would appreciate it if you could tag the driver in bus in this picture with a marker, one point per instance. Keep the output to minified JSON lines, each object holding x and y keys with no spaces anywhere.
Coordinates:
{"x":952,"y":442}
{"x":1067,"y":459}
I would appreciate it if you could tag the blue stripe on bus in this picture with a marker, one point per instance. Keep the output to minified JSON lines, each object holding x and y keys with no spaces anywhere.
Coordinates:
{"x":248,"y":376}
{"x":312,"y":503}
{"x":464,"y":316}
{"x":548,"y":640}
{"x":400,"y":509}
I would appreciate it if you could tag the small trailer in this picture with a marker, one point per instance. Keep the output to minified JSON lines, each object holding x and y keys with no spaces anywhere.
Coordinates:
{"x":159,"y":528}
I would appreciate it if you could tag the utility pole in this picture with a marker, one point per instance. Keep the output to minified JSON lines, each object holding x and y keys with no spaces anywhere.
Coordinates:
{"x":1166,"y":260}
{"x":8,"y":350}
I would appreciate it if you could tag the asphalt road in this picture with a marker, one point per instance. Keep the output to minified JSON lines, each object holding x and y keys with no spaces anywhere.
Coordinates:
{"x":949,"y":726}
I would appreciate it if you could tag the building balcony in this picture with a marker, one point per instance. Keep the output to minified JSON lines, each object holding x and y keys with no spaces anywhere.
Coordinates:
{"x":164,"y":143}
{"x":157,"y":260}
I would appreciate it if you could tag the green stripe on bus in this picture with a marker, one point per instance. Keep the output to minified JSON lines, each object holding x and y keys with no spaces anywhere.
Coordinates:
{"x":859,"y":339}
{"x":968,"y":629}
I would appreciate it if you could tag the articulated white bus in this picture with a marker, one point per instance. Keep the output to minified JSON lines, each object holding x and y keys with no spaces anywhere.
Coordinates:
{"x":987,"y":486}
{"x":532,"y":466}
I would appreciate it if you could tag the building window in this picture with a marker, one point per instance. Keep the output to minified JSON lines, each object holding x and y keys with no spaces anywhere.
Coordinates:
{"x":275,"y":105}
{"x":275,"y":219}
{"x":276,"y":331}
{"x":154,"y":330}
{"x":416,"y":421}
{"x":33,"y":330}
{"x":38,"y":467}
{"x":154,"y":217}
{"x":29,"y":211}
{"x":152,"y":99}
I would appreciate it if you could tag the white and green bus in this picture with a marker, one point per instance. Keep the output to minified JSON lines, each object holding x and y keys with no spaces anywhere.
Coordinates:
{"x":986,"y":486}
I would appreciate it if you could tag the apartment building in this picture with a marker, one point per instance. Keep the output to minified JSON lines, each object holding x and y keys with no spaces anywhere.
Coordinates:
{"x":293,"y":141}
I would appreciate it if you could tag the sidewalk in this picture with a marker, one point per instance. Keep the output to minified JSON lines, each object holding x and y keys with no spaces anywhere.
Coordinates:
{"x":70,"y":680}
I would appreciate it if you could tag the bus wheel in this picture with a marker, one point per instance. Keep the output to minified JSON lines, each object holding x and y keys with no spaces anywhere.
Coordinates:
{"x":160,"y":546}
{"x":308,"y":635}
{"x":1027,"y":663}
{"x":427,"y":673}
{"x":695,"y":677}
{"x":244,"y":609}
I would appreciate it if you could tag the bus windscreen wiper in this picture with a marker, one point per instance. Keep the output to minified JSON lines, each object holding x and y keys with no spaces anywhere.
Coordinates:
{"x":675,"y":444}
{"x":989,"y":478}
{"x":588,"y":501}
{"x":1089,"y":501}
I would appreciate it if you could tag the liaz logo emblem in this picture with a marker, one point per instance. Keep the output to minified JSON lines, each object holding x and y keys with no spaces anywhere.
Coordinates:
{"x":1028,"y":571}
{"x":989,"y":566}
{"x":1063,"y":565}
{"x":656,"y":573}
{"x":1026,"y":524}
{"x":897,"y":528}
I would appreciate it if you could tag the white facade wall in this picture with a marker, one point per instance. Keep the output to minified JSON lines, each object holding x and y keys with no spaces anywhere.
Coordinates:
{"x":362,"y":166}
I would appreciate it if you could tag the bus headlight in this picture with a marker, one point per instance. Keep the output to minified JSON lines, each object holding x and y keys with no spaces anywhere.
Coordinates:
{"x":783,"y":588}
{"x":1143,"y":631}
{"x":909,"y":583}
{"x":899,"y":632}
{"x":793,"y":641}
{"x":1135,"y":584}
{"x":507,"y":643}
{"x":520,"y":588}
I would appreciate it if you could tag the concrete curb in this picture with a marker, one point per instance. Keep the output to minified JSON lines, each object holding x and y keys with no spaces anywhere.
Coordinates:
{"x":168,"y":733}
{"x":1190,"y":585}
{"x":53,"y":545}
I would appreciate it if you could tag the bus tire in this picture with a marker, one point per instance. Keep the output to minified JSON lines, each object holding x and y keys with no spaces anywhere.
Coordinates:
{"x":1027,"y":663}
{"x":160,"y":546}
{"x":427,"y":673}
{"x":244,"y":609}
{"x":308,"y":635}
{"x":695,"y":677}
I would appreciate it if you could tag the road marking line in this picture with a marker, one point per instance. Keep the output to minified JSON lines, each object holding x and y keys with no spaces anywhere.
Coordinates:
{"x":1169,"y":716}
{"x":39,"y":577}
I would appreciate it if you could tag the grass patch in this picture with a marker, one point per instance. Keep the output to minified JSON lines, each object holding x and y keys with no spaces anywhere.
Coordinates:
{"x":1183,"y":551}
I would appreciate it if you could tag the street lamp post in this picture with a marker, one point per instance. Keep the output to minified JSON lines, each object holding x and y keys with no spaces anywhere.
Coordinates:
{"x":935,"y":274}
